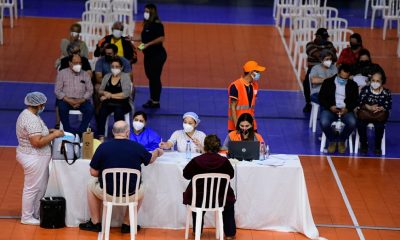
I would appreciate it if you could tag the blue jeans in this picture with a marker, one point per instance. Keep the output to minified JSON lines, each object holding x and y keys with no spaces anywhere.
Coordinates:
{"x":327,"y":118}
{"x":86,"y":109}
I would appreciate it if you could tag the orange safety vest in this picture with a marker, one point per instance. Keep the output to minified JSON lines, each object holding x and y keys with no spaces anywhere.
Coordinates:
{"x":242,"y":102}
{"x":236,"y":136}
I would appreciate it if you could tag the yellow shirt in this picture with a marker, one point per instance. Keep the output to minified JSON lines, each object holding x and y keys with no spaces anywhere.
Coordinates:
{"x":118,"y":43}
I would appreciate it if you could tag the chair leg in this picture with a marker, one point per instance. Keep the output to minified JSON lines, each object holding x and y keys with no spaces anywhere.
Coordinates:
{"x":108,"y":222}
{"x":199,"y":216}
{"x":351,"y":143}
{"x":136,"y":217}
{"x":383,"y":144}
{"x":188,"y":213}
{"x":132,"y":221}
{"x":372,"y":18}
{"x":103,"y":222}
{"x":216,"y":225}
{"x":366,"y":9}
{"x":220,"y":226}
{"x":385,"y":23}
{"x":357,"y":143}
{"x":323,"y":143}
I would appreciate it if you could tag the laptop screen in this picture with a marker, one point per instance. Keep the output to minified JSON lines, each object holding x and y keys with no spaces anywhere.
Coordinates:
{"x":244,"y":150}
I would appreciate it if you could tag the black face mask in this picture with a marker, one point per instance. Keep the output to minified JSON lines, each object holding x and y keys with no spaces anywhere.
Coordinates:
{"x":354,"y":46}
{"x":364,"y":63}
{"x":244,"y":132}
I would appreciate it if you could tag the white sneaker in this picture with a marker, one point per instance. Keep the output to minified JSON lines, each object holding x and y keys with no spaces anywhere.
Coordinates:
{"x":31,"y":221}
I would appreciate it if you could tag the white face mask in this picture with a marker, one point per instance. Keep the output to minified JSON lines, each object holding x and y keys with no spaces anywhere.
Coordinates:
{"x":187,"y":128}
{"x":375,"y":85}
{"x":137,"y":125}
{"x":117,"y":33}
{"x":115,"y":71}
{"x":77,"y":68}
{"x":327,"y":63}
{"x":146,"y":16}
{"x":40,"y":110}
{"x":74,"y":34}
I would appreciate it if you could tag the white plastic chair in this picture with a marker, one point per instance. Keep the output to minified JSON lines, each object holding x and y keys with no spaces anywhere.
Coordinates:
{"x":126,"y":18}
{"x":98,"y":5}
{"x":321,"y":13}
{"x":339,"y":38}
{"x":127,"y":120}
{"x":211,"y":181}
{"x":120,"y":197}
{"x":285,"y":9}
{"x":378,"y":5}
{"x":300,"y":23}
{"x":302,"y":37}
{"x":11,"y":5}
{"x":390,"y":14}
{"x":92,"y":33}
{"x":314,"y":116}
{"x":383,"y":143}
{"x":73,"y":112}
{"x":349,"y":142}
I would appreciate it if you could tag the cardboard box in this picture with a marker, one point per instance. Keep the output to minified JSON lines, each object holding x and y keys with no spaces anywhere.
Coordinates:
{"x":87,"y":144}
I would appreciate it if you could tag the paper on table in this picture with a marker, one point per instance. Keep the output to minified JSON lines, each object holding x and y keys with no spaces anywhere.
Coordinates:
{"x":270,"y":162}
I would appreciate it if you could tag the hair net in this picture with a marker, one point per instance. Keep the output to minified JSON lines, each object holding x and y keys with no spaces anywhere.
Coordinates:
{"x":35,"y":99}
{"x":192,"y":115}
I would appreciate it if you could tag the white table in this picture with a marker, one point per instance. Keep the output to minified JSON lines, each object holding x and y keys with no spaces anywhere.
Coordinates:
{"x":268,"y":197}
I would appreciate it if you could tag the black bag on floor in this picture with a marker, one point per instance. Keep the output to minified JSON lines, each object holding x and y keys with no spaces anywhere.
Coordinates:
{"x":52,"y":212}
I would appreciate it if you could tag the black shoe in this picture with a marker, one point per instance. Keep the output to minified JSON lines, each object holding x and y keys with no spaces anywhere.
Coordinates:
{"x":378,"y":151}
{"x":90,"y":226}
{"x":307,"y":108}
{"x":364,"y":148}
{"x":151,"y":104}
{"x":125,"y":228}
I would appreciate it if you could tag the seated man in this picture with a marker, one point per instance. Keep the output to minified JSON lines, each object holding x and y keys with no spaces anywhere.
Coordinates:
{"x":73,"y":91}
{"x":72,"y":49}
{"x":103,"y":64}
{"x":125,"y":48}
{"x":118,"y":153}
{"x":338,"y":97}
{"x":320,"y":72}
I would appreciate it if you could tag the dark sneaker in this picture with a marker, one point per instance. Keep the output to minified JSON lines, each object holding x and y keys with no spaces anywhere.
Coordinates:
{"x":125,"y":228}
{"x":378,"y":151}
{"x":341,"y":147}
{"x":151,"y":104}
{"x":364,"y":148}
{"x":307,"y":108}
{"x":332,"y":147}
{"x":90,"y":226}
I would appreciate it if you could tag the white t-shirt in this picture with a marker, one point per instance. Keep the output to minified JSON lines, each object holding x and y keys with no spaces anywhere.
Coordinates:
{"x":180,"y":138}
{"x":28,"y":125}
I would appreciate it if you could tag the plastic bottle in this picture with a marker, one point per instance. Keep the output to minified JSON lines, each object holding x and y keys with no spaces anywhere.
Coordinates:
{"x":263,"y":150}
{"x":188,"y":150}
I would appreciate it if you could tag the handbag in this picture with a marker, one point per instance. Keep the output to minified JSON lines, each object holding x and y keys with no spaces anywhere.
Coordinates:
{"x":368,"y":116}
{"x":66,"y":148}
{"x":52,"y":212}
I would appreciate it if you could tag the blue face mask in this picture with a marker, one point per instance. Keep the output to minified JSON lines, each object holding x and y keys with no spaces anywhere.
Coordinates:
{"x":341,"y":81}
{"x":256,"y":76}
{"x":40,"y":110}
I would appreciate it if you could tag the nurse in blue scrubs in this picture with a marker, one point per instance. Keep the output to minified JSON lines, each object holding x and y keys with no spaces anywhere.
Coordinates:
{"x":142,"y":134}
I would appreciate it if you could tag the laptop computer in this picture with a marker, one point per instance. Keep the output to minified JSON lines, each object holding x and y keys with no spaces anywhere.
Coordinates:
{"x":244,"y":150}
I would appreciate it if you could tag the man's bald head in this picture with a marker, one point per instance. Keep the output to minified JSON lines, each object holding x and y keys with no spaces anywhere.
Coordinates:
{"x":120,"y":129}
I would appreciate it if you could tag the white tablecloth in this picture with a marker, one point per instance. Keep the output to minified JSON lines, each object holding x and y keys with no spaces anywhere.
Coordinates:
{"x":268,"y":197}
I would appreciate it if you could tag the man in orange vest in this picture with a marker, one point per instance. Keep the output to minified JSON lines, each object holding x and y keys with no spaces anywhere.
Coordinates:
{"x":243,"y":93}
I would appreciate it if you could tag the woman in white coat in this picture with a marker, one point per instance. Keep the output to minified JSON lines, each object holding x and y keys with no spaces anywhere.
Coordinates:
{"x":34,"y":154}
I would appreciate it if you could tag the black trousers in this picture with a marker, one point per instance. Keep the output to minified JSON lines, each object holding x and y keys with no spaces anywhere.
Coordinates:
{"x":362,"y":131}
{"x":306,"y":86}
{"x":153,"y":65}
{"x":106,"y":109}
{"x":228,"y":218}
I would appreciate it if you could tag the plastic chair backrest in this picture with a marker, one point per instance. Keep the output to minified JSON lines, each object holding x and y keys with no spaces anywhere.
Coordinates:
{"x":334,"y":23}
{"x":94,"y":17}
{"x":215,"y":180}
{"x":379,"y":4}
{"x":120,"y":196}
{"x":393,"y":8}
{"x":327,"y":12}
{"x":98,"y":5}
{"x":285,"y":3}
{"x":304,"y":22}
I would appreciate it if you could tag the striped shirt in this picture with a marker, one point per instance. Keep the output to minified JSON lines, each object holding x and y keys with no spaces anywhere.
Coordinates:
{"x":73,"y":85}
